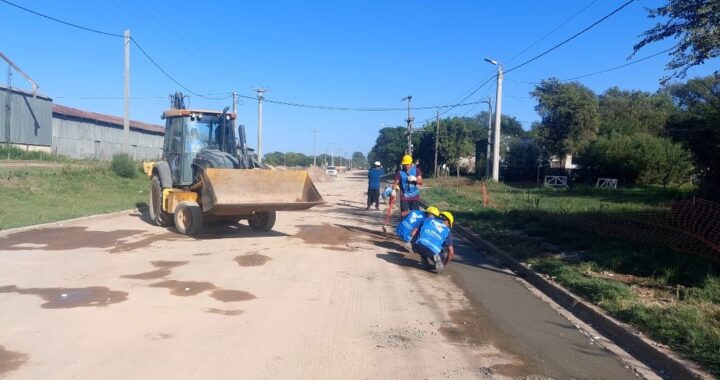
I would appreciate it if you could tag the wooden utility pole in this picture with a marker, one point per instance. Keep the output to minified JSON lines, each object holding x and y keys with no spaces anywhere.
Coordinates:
{"x":126,"y":113}
{"x":437,"y":136}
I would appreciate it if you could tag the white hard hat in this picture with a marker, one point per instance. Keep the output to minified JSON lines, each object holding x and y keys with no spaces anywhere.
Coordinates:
{"x":377,"y":163}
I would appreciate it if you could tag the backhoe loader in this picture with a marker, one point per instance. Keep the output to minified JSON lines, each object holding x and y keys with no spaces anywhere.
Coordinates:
{"x":206,"y":173}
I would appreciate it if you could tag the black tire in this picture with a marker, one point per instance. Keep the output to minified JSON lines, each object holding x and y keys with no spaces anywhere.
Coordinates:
{"x":157,"y":215}
{"x":188,"y":218}
{"x":262,"y":221}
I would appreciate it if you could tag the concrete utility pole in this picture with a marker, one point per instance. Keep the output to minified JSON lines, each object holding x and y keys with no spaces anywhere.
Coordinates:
{"x":8,"y":110}
{"x":314,"y":131}
{"x":437,"y":136}
{"x":488,"y":156}
{"x":126,"y":92}
{"x":409,"y":121}
{"x":498,"y":117}
{"x":261,"y":96}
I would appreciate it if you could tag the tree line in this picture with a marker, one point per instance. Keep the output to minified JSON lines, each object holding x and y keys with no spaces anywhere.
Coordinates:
{"x":293,"y":159}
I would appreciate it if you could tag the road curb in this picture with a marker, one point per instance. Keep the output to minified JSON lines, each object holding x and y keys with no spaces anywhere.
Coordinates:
{"x":61,"y":222}
{"x":621,"y":334}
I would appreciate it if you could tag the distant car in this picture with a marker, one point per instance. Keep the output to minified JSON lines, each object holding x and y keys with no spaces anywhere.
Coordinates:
{"x":331,"y":171}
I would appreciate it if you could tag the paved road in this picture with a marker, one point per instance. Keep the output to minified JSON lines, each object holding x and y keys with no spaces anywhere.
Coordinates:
{"x":323,"y":296}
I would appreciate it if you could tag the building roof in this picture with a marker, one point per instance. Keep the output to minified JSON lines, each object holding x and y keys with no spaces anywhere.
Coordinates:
{"x":108,"y":119}
{"x":20,"y":91}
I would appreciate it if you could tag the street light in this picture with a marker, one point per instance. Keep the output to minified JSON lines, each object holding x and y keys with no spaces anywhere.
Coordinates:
{"x":498,"y":115}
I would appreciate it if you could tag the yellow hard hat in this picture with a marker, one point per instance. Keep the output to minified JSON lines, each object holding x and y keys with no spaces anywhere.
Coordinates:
{"x":433,"y":210}
{"x":406,"y":160}
{"x":448,"y":216}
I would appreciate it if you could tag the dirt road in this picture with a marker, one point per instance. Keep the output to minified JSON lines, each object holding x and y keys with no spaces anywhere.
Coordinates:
{"x":323,"y":296}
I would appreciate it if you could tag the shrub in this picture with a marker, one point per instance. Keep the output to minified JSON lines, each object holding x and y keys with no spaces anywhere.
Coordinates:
{"x":124,"y":166}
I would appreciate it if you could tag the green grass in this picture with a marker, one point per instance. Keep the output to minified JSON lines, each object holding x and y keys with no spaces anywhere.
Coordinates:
{"x":41,"y":195}
{"x":15,"y":153}
{"x":671,"y":296}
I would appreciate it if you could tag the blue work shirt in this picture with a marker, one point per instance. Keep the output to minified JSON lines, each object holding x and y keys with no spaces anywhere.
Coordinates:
{"x":374,"y":175}
{"x":434,"y":235}
{"x":412,"y":221}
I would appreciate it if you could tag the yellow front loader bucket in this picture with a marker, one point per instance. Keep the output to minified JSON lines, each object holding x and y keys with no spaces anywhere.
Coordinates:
{"x":244,"y":191}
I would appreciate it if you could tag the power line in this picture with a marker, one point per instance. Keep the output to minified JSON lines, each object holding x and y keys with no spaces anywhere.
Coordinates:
{"x":571,"y":38}
{"x":61,"y":21}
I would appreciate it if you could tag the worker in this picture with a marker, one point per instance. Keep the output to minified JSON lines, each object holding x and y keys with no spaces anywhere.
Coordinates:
{"x":195,"y":144}
{"x":374,"y":175}
{"x":408,"y":227}
{"x":435,"y":240}
{"x":407,"y":181}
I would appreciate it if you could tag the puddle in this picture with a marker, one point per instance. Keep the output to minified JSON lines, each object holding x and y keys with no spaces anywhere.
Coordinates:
{"x":152,"y":275}
{"x":336,"y":238}
{"x":144,"y":242}
{"x":231,"y":295}
{"x":64,"y":239}
{"x":167,"y":264}
{"x":65,"y":298}
{"x":10,"y":360}
{"x":184,"y":288}
{"x":224,"y":312}
{"x":251,"y":260}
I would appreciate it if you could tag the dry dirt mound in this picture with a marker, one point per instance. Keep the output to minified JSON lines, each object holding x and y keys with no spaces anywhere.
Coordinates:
{"x":317,"y":174}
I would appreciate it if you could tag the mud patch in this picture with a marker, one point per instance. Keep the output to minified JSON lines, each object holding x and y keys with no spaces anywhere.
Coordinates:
{"x":332,"y":236}
{"x":144,"y":242}
{"x":184,"y":288}
{"x":251,"y":260}
{"x":225,"y":295}
{"x":66,"y":298}
{"x":167,"y":264}
{"x":10,"y":360}
{"x":152,"y":275}
{"x":64,"y":239}
{"x":224,"y":312}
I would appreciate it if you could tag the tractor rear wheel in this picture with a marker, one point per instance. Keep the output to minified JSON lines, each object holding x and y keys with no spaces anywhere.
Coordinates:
{"x":188,"y":218}
{"x":157,"y":215}
{"x":262,"y":221}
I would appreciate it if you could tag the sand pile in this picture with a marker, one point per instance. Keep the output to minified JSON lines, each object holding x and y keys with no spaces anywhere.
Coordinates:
{"x":317,"y":174}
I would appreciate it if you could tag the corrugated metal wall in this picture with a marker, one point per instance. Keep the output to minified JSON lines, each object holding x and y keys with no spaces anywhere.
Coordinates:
{"x":30,"y":118}
{"x":85,"y":139}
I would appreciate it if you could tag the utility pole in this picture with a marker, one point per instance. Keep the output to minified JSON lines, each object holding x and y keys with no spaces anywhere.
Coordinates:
{"x":498,"y":117}
{"x":437,"y":136}
{"x":261,"y":96}
{"x":8,"y":110}
{"x":314,"y":131}
{"x":409,"y":121}
{"x":488,"y":156}
{"x":126,"y":113}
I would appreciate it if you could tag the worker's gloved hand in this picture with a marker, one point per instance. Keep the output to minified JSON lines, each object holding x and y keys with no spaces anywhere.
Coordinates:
{"x":412,"y":178}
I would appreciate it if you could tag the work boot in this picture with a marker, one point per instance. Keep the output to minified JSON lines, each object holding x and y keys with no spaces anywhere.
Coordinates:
{"x":438,"y":263}
{"x":408,"y":246}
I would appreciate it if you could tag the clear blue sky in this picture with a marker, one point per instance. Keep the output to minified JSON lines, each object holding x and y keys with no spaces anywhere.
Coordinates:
{"x":353,"y":54}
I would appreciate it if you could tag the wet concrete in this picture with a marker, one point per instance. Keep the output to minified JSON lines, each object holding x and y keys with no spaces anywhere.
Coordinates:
{"x":167,"y":264}
{"x":231,"y":313}
{"x":225,"y":295}
{"x":66,"y":298}
{"x":185,"y":288}
{"x":144,"y":242}
{"x":152,"y":275}
{"x":63,"y":239}
{"x":527,"y":327}
{"x":10,"y":360}
{"x":251,"y":260}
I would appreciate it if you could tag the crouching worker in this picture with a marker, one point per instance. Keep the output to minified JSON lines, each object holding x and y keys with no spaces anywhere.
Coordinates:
{"x":434,"y":241}
{"x":408,"y":227}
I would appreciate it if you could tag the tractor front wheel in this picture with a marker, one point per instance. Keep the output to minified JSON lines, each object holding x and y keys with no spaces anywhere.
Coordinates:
{"x":188,"y":218}
{"x":262,"y":221}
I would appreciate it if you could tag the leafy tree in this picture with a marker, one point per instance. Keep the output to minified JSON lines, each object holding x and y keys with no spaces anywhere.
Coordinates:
{"x":521,"y":160}
{"x":697,"y":126}
{"x":629,"y":112}
{"x":694,"y":23}
{"x":638,"y":159}
{"x":569,"y":113}
{"x":359,"y":160}
{"x":390,"y":146}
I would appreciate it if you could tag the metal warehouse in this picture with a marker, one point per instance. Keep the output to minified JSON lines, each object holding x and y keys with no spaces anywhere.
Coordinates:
{"x":25,"y":119}
{"x":81,"y":134}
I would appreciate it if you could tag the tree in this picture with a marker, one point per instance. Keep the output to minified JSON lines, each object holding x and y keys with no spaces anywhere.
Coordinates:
{"x":390,"y":146}
{"x":630,"y":112}
{"x":521,"y":160}
{"x":569,"y":116}
{"x":359,"y":160}
{"x":694,"y":24}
